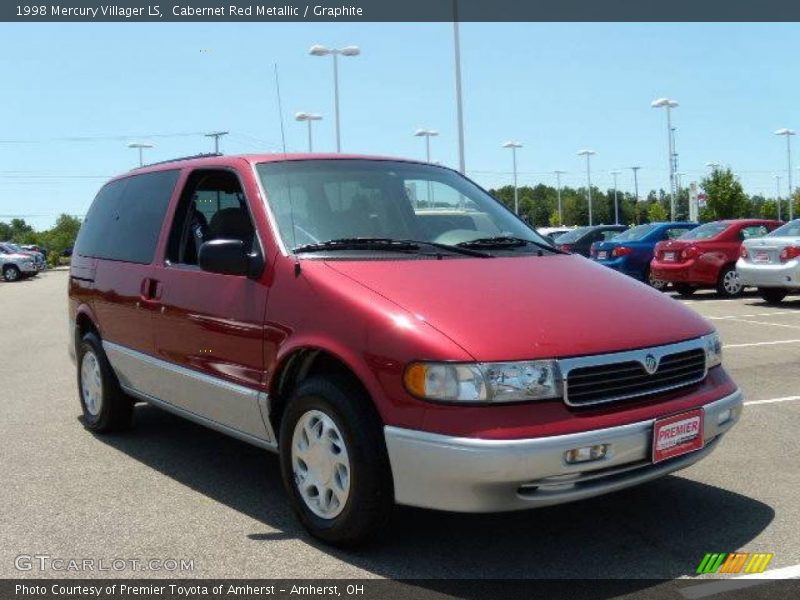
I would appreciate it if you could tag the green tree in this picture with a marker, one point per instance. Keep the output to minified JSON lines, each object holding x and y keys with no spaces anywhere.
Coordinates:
{"x":725,"y":198}
{"x":61,"y":236}
{"x":656,"y":212}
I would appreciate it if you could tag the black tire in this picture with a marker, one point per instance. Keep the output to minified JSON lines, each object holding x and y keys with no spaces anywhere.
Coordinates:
{"x":371,"y":495}
{"x":724,"y":288}
{"x":656,"y":284}
{"x":684,"y":289}
{"x":11,"y":273}
{"x":772,"y":295}
{"x":115,"y":410}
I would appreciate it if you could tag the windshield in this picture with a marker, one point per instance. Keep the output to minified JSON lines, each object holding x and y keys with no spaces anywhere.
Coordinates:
{"x":704,"y":232}
{"x":316,"y":201}
{"x":572,"y":236}
{"x":790,"y":229}
{"x":635,"y":233}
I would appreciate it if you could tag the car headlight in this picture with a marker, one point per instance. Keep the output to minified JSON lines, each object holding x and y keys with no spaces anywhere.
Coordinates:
{"x":484,"y":382}
{"x":713,"y":346}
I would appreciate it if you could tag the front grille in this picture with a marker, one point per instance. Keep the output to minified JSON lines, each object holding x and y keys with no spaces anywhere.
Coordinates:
{"x":622,"y":380}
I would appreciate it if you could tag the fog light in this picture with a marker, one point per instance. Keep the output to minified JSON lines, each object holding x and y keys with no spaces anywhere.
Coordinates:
{"x":586,"y":454}
{"x":724,"y":416}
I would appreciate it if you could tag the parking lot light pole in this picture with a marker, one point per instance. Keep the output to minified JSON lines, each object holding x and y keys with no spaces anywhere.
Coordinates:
{"x":308,"y":118}
{"x":788,"y":133}
{"x":216,"y":135}
{"x":713,"y":165}
{"x":317,"y":50}
{"x":615,"y":174}
{"x":588,"y":154}
{"x":669,"y":104}
{"x":558,"y":192}
{"x":427,"y":134}
{"x":636,"y":182}
{"x":514,"y":146}
{"x":140,"y":147}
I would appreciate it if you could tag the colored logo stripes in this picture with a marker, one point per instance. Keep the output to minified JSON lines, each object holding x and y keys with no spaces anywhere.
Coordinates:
{"x":734,"y":562}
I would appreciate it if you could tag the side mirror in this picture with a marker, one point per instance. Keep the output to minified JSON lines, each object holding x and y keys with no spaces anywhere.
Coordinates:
{"x":228,"y":257}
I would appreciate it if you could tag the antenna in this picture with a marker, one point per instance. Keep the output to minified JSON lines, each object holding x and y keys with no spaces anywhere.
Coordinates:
{"x":280,"y":107}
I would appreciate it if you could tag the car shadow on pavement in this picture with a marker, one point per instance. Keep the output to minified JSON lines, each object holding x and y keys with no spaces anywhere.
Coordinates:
{"x":660,"y":530}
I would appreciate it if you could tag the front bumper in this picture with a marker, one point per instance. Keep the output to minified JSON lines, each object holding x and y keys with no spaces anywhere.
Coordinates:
{"x":778,"y":276}
{"x":28,"y":268}
{"x":478,"y":475}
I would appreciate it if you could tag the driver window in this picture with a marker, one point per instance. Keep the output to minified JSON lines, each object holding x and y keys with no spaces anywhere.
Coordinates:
{"x":212,"y":207}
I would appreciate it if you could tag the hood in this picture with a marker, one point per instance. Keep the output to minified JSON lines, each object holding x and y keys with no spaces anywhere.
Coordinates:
{"x":529,"y":307}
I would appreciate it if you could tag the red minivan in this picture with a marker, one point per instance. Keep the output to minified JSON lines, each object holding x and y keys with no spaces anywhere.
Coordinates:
{"x":391,"y":330}
{"x":706,"y":256}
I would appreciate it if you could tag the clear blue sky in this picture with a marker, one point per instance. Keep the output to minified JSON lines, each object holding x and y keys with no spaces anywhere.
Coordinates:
{"x":554,"y":87}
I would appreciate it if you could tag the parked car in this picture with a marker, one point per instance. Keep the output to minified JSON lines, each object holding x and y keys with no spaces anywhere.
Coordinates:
{"x":38,"y":257}
{"x":553,"y":233}
{"x":301,"y":303}
{"x":14,"y":265}
{"x":631,"y":251}
{"x":772,"y":263}
{"x":706,"y":256}
{"x":580,"y":240}
{"x":34,"y":248}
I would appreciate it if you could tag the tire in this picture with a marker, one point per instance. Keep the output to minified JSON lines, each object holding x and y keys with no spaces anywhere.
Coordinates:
{"x":772,"y":295}
{"x":11,"y":273}
{"x":728,"y":284}
{"x":105,"y":406}
{"x":356,"y":499}
{"x":657,"y":284}
{"x":684,"y":289}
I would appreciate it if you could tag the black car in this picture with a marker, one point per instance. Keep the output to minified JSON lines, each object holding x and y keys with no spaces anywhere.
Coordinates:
{"x":579,"y":241}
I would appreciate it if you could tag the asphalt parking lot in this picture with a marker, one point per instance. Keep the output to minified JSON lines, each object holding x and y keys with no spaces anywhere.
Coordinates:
{"x":171,"y":489}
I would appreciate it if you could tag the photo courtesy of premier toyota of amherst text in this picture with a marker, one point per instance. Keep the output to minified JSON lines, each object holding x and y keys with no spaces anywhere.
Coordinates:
{"x":423,"y":300}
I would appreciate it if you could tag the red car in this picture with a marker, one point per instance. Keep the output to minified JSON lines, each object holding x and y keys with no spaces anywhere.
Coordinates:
{"x":706,"y":256}
{"x":391,"y":330}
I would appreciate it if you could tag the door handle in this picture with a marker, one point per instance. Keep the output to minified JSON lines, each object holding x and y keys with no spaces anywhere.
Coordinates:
{"x":150,"y":293}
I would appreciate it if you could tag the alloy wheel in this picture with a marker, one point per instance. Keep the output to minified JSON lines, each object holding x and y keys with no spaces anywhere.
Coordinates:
{"x":91,"y":384}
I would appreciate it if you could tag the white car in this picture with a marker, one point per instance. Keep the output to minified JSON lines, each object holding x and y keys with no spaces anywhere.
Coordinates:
{"x":772,"y":263}
{"x":15,"y":266}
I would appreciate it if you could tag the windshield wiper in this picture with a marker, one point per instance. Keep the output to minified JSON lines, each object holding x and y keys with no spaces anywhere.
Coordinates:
{"x":385,"y":244}
{"x":506,"y":241}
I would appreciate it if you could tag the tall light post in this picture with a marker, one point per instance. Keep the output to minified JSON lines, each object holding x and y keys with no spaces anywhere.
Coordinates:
{"x":514,"y":146}
{"x":140,"y":146}
{"x":615,"y":174}
{"x":308,"y":118}
{"x":636,"y":182}
{"x":558,"y":192}
{"x":317,"y":50}
{"x":427,"y":134}
{"x":216,"y":135}
{"x":778,"y":194}
{"x":669,"y":104}
{"x":459,"y":100}
{"x":788,"y":133}
{"x":588,"y":154}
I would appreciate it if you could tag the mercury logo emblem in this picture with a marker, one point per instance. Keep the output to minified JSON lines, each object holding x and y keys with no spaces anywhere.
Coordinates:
{"x":650,"y":364}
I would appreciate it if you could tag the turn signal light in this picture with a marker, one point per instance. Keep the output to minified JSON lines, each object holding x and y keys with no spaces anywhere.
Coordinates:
{"x":789,"y":253}
{"x":689,"y":252}
{"x":621,"y":251}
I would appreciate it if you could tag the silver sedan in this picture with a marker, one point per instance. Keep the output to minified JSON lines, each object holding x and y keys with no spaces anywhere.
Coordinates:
{"x":772,"y":263}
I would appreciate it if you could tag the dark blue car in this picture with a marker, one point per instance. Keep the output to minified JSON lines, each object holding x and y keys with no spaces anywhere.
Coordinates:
{"x":631,"y":251}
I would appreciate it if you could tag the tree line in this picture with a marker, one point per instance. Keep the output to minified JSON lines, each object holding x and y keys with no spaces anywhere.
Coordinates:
{"x":725,"y":199}
{"x":55,"y":240}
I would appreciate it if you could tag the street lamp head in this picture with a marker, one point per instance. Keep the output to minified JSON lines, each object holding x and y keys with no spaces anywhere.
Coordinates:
{"x":661,"y":102}
{"x":586,"y":152}
{"x":139,"y":145}
{"x":306,"y":116}
{"x":614,"y":172}
{"x":216,"y":133}
{"x":559,"y":172}
{"x":785,"y":131}
{"x":350,"y":51}
{"x":317,"y":50}
{"x":512,"y":145}
{"x":426,"y":133}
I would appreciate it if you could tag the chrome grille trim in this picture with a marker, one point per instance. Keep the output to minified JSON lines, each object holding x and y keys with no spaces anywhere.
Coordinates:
{"x":622,"y":367}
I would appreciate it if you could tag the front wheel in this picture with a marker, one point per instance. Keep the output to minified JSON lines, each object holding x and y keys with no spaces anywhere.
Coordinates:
{"x":105,"y":406}
{"x":772,"y":295}
{"x":11,"y":273}
{"x":729,"y":285}
{"x":334,"y":462}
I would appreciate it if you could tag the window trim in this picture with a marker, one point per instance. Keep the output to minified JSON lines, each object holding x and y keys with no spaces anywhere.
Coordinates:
{"x":188,"y":173}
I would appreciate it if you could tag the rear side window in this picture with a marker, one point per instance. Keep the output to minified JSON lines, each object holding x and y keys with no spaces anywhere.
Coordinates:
{"x":125,"y":218}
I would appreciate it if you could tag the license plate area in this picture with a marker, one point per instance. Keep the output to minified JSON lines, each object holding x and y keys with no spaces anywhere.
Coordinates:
{"x":669,"y":256}
{"x":678,"y":435}
{"x":602,"y":255}
{"x":761,"y":257}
